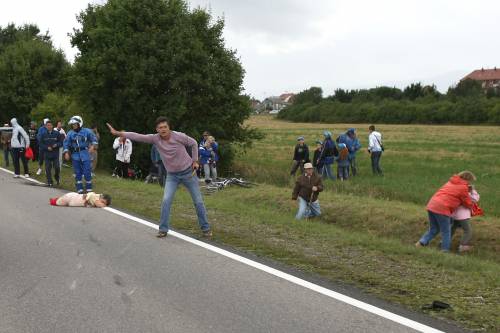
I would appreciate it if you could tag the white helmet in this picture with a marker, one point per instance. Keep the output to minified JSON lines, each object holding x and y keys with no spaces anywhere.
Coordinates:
{"x":76,"y":120}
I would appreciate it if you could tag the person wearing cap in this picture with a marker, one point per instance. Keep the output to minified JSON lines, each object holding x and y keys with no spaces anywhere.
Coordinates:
{"x":306,"y":192}
{"x":328,"y":154}
{"x":351,"y":141}
{"x":78,"y":145}
{"x":317,"y":164}
{"x":300,"y":156}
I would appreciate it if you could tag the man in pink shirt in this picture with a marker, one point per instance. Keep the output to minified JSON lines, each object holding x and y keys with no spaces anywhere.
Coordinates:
{"x":181,"y":168}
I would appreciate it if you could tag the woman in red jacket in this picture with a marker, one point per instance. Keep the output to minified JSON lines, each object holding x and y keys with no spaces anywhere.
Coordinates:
{"x":442,"y":205}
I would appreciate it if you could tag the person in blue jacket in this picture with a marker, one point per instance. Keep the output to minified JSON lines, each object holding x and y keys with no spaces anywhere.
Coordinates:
{"x":328,"y":154}
{"x":208,"y":154}
{"x":50,"y":142}
{"x":41,"y":131}
{"x":351,"y":141}
{"x":78,"y":145}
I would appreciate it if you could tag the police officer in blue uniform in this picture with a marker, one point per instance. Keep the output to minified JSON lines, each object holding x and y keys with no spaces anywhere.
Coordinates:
{"x":78,"y":145}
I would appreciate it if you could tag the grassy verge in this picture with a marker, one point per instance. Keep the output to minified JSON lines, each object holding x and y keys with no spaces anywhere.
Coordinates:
{"x":353,"y":242}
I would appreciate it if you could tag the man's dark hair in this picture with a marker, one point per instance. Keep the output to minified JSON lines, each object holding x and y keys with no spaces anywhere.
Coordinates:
{"x":160,"y":120}
{"x":106,"y":197}
{"x":371,"y":128}
{"x":48,"y":122}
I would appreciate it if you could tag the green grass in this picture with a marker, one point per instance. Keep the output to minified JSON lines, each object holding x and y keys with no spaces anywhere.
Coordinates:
{"x":366,"y":235}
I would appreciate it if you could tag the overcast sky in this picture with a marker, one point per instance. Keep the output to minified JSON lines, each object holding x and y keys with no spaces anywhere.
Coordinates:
{"x":290,"y":45}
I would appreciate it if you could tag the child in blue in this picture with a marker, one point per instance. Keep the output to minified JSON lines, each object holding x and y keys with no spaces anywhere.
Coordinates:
{"x":343,"y":162}
{"x":80,"y":142}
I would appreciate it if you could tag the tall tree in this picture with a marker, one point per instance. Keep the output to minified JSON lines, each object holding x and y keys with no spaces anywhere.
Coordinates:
{"x":30,"y":67}
{"x":142,"y":59}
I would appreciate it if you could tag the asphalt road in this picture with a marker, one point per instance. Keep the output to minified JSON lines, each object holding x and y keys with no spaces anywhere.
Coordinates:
{"x":88,"y":270}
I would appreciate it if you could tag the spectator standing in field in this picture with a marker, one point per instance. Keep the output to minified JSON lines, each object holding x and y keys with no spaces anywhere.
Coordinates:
{"x":78,"y":145}
{"x":204,"y":138}
{"x":123,"y":148}
{"x":442,"y":206}
{"x":61,"y":131}
{"x":306,"y":191}
{"x":328,"y":153}
{"x":6,"y":137}
{"x":181,"y":168}
{"x":375,"y":148}
{"x":350,"y":139}
{"x":41,"y":157}
{"x":300,"y":156}
{"x":461,"y":219}
{"x":158,"y":165}
{"x":208,"y":158}
{"x":19,"y":143}
{"x":32,"y":132}
{"x":316,"y":157}
{"x":343,"y":162}
{"x":50,"y":143}
{"x":94,"y":152}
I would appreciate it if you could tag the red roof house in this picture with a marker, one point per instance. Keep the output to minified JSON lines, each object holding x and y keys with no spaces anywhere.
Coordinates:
{"x":490,"y":78}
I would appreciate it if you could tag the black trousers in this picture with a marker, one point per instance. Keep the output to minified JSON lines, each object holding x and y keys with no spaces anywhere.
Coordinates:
{"x":375,"y":157}
{"x":122,"y":169}
{"x":18,"y":153}
{"x":52,"y":161}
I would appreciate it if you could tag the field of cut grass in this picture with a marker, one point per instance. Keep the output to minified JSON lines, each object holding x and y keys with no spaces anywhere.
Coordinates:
{"x":366,"y":235}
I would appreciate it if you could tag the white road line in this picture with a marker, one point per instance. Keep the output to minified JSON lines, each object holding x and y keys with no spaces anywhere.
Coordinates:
{"x":288,"y":277}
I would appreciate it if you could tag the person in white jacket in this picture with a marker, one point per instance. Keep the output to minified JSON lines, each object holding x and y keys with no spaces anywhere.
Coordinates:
{"x":123,"y":149}
{"x":375,"y":148}
{"x":19,"y":143}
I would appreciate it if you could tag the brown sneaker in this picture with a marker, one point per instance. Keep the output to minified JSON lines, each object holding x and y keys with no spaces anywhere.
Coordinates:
{"x":418,"y":244}
{"x":161,"y":234}
{"x":207,"y":233}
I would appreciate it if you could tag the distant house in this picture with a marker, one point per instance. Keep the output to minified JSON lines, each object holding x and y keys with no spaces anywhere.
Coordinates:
{"x":275,"y":104}
{"x":489,"y":78}
{"x":256,"y":105}
{"x":287,"y":97}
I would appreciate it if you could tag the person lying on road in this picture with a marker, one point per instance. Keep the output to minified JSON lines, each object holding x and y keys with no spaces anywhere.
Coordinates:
{"x":73,"y":199}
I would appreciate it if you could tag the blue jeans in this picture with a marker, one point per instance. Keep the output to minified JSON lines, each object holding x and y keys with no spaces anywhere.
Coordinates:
{"x":191,"y":182}
{"x":343,"y":172}
{"x":6,"y":153}
{"x":438,"y":223}
{"x":353,"y":164}
{"x":307,"y":210}
{"x":375,"y":157}
{"x":326,"y":172}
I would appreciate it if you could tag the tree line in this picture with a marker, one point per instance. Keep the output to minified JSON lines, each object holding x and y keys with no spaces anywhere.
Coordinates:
{"x":465,"y":103}
{"x":136,"y":60}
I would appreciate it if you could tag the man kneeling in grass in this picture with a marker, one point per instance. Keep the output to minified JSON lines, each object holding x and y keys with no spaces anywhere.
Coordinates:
{"x":181,"y":168}
{"x":73,"y":199}
{"x":307,"y":188}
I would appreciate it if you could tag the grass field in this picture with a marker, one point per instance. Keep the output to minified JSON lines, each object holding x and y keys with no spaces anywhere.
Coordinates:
{"x":366,"y":235}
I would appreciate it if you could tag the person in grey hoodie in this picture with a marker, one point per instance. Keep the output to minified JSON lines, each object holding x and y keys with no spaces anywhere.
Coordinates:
{"x":19,"y":143}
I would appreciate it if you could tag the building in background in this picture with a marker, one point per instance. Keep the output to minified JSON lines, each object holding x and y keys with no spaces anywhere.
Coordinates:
{"x":489,"y":78}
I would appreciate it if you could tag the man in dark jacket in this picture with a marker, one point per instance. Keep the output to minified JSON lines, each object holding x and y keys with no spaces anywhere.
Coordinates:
{"x":50,"y":142}
{"x":6,"y":136}
{"x":300,"y":156}
{"x":306,"y":191}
